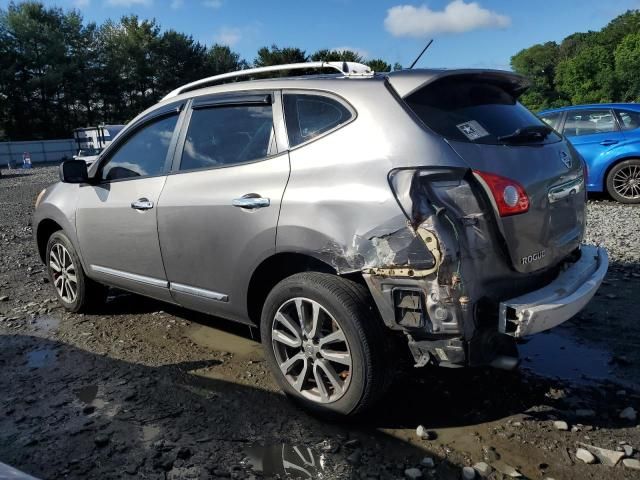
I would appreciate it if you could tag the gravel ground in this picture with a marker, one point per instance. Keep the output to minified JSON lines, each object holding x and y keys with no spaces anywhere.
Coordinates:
{"x":146,"y":390}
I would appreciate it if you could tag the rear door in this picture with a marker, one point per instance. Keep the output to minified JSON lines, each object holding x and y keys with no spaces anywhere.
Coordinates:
{"x":116,"y":218}
{"x":479,"y":116}
{"x":218,"y":212}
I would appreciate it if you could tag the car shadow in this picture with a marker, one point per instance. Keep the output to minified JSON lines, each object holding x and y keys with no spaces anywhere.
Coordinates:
{"x":67,"y":412}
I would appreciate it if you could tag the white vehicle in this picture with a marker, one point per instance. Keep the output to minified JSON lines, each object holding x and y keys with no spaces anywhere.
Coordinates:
{"x":92,"y":140}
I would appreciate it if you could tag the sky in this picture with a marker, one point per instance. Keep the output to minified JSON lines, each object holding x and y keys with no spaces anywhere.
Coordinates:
{"x":467,"y":33}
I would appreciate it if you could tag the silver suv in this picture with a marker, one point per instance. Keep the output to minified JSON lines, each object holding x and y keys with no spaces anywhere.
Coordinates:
{"x":363,"y":221}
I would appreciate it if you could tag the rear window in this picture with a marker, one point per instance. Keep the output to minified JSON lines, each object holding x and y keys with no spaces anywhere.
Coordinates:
{"x":471,"y":110}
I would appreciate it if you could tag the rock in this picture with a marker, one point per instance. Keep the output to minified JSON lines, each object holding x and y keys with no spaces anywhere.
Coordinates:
{"x":183,"y":453}
{"x":4,"y":298}
{"x":355,"y":443}
{"x":483,"y":469}
{"x":468,"y":473}
{"x":412,"y":473}
{"x":629,"y":413}
{"x":631,"y":463}
{"x":428,"y":462}
{"x":609,"y":458}
{"x":585,"y":412}
{"x":354,"y":458}
{"x":506,"y":469}
{"x":628,"y":450}
{"x":585,"y":455}
{"x":561,"y":425}
{"x":165,"y":462}
{"x":101,"y":440}
{"x":425,"y":434}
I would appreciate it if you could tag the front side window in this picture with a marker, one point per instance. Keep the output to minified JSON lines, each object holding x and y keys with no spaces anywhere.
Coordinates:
{"x":143,"y":154}
{"x":551,"y":119}
{"x":589,"y":122}
{"x":629,"y":120}
{"x":308,"y":116}
{"x":227,"y":135}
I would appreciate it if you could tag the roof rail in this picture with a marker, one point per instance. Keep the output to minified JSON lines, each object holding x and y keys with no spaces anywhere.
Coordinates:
{"x":347,"y":68}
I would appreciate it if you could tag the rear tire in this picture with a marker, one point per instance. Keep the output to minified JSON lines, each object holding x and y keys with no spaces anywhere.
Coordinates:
{"x":340,"y":357}
{"x":75,"y":291}
{"x":623,"y":181}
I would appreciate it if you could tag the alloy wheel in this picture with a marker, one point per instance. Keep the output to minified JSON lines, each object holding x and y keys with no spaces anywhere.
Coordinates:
{"x":626,"y":182}
{"x":311,"y":350}
{"x":63,"y":273}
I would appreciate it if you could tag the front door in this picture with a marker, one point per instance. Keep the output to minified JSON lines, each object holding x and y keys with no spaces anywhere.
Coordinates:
{"x":218,"y":212}
{"x":593,"y":132}
{"x":116,"y":217}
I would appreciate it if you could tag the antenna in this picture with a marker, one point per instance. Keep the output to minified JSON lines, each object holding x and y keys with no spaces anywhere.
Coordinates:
{"x":421,"y":53}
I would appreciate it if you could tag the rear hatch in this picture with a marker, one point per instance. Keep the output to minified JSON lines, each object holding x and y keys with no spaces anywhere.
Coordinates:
{"x":478,"y":114}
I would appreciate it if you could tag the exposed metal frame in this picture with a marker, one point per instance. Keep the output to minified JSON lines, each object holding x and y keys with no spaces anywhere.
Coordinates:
{"x":347,"y":68}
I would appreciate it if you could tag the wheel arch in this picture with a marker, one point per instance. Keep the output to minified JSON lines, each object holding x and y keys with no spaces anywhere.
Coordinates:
{"x":276,"y":268}
{"x":45,"y":229}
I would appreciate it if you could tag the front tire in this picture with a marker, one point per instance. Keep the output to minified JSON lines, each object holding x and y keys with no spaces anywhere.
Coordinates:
{"x":75,"y":291}
{"x":324,"y":343}
{"x":623,"y":181}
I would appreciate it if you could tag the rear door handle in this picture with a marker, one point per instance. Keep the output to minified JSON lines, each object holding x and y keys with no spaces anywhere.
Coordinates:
{"x":606,"y":143}
{"x":251,"y":202}
{"x":142,"y":204}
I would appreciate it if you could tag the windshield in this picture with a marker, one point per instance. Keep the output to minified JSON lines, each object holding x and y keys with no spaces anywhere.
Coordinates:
{"x":476,"y":111}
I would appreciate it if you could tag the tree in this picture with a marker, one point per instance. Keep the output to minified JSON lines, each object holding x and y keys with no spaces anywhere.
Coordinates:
{"x":588,"y":77}
{"x":627,"y":66}
{"x":379,"y":65}
{"x":179,"y":60}
{"x":538,"y":63}
{"x":221,"y":59}
{"x":279,"y":56}
{"x":336,"y":56}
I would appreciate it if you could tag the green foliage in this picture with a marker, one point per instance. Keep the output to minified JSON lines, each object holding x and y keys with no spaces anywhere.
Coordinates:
{"x":279,"y":56}
{"x":586,"y":67}
{"x":379,"y":65}
{"x":58,"y":72}
{"x":336,"y":56}
{"x":627,"y":65}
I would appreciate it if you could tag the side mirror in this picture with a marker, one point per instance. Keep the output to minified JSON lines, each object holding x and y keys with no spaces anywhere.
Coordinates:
{"x":74,"y":171}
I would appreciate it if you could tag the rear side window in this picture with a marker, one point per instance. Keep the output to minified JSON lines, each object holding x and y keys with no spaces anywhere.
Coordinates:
{"x":589,"y":122}
{"x":629,"y":120}
{"x":309,"y":116}
{"x":229,"y":135}
{"x":471,"y":110}
{"x":143,"y":154}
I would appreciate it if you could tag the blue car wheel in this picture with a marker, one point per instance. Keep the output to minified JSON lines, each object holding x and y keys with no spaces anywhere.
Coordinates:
{"x":623,"y":181}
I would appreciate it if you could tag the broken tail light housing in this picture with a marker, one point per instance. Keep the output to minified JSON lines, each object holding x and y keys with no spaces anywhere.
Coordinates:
{"x":510,"y":197}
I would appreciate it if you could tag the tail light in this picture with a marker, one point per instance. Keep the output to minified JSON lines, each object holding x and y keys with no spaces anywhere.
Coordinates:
{"x":510,"y":197}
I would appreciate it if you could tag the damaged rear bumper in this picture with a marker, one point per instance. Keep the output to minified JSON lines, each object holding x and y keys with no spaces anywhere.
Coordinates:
{"x":558,"y":301}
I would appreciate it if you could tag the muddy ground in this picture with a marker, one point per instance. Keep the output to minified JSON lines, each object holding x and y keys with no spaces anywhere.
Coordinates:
{"x":146,"y":390}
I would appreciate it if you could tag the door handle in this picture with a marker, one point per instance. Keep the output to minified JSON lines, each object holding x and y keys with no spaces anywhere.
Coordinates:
{"x":251,"y":202}
{"x":142,"y":204}
{"x":606,"y":143}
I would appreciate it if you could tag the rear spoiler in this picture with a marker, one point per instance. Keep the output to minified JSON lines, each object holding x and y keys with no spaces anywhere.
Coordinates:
{"x":406,"y":82}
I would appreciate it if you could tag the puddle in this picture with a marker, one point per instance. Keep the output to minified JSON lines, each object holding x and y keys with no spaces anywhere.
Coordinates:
{"x":43,"y":357}
{"x":560,"y":355}
{"x":222,"y":341}
{"x":45,"y":323}
{"x":286,"y":461}
{"x":88,"y":395}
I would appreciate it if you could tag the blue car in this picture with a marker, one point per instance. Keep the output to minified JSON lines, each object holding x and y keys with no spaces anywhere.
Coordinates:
{"x":608,"y":138}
